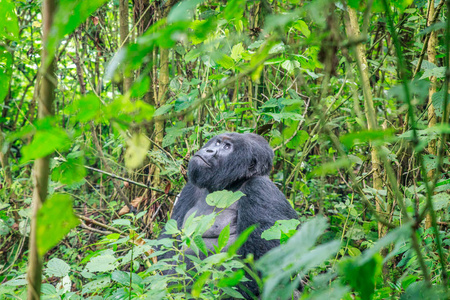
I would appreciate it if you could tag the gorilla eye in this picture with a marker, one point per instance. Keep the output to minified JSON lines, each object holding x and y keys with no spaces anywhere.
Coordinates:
{"x":227,"y":147}
{"x":217,"y":143}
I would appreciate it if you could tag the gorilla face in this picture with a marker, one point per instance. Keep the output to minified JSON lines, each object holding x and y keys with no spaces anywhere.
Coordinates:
{"x":228,"y":159}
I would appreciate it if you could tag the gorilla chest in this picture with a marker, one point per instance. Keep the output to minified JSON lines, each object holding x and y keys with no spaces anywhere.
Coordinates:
{"x":225,"y":217}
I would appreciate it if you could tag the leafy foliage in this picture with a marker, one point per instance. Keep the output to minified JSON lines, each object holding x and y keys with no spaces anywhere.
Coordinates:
{"x":358,"y":122}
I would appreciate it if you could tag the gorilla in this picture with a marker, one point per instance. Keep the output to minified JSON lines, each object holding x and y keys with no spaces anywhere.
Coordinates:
{"x":235,"y":162}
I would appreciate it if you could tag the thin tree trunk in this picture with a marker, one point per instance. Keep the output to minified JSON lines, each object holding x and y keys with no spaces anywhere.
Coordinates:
{"x":162,"y":97}
{"x":163,"y":83}
{"x":353,"y":30}
{"x":46,"y":95}
{"x":431,"y":51}
{"x":124,"y":31}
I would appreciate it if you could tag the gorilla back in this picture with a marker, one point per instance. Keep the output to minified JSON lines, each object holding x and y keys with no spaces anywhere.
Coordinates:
{"x":234,"y":161}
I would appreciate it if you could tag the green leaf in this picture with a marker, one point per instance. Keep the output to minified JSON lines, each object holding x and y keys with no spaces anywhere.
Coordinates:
{"x":200,"y":243}
{"x":242,"y":238}
{"x":440,"y":201}
{"x":351,"y":139}
{"x":421,"y":291}
{"x":140,"y":87}
{"x":192,"y":55}
{"x":301,"y":26}
{"x":102,"y":263}
{"x":236,"y":52}
{"x":172,"y":133}
{"x":171,"y":227}
{"x":362,"y":277}
{"x":49,"y":290}
{"x":199,"y":283}
{"x":121,"y":277}
{"x":438,"y":72}
{"x":352,"y":251}
{"x":225,"y":61}
{"x":223,"y":199}
{"x":232,"y":293}
{"x":280,"y":226}
{"x":301,"y":136}
{"x":331,"y":167}
{"x":57,"y":267}
{"x":70,"y":171}
{"x":293,"y":257}
{"x":353,"y":3}
{"x":438,"y":102}
{"x":304,"y":262}
{"x":232,"y":280}
{"x":70,"y":14}
{"x":137,"y":150}
{"x":284,"y":116}
{"x":54,"y":220}
{"x":6,"y":61}
{"x":46,"y":141}
{"x":9,"y":28}
{"x":85,"y":109}
{"x":182,"y":11}
{"x":234,"y":9}
{"x":124,"y":278}
{"x":96,"y":285}
{"x":290,"y":65}
{"x":204,"y":222}
{"x":224,"y":236}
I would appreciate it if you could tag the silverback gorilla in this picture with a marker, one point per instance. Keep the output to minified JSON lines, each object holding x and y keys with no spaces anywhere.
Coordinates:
{"x":234,"y":161}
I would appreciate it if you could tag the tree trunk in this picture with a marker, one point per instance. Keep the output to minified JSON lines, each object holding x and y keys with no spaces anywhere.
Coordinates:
{"x":431,"y":52}
{"x":123,"y":16}
{"x":46,"y":95}
{"x":353,"y":30}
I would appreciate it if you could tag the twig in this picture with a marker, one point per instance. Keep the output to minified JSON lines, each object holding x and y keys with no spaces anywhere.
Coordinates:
{"x":129,"y":181}
{"x":95,"y":230}
{"x":98,"y":223}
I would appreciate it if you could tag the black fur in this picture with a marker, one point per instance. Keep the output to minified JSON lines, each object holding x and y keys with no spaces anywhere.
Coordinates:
{"x":234,"y":162}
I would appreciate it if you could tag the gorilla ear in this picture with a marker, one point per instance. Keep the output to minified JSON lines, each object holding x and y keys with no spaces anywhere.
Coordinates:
{"x":252,"y":166}
{"x":262,"y":156}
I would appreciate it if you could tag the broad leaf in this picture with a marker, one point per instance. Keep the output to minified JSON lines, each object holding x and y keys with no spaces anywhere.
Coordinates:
{"x":223,"y":199}
{"x":102,"y":263}
{"x":54,"y":220}
{"x":438,"y":102}
{"x":137,"y":150}
{"x":224,"y":236}
{"x":293,"y":257}
{"x":200,"y":243}
{"x":171,"y":227}
{"x":5,"y":72}
{"x":9,"y":28}
{"x":57,"y":267}
{"x":242,"y":238}
{"x":362,"y":276}
{"x":199,"y":283}
{"x":280,"y":226}
{"x":70,"y":171}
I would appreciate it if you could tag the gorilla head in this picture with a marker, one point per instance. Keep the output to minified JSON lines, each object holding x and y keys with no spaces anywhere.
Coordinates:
{"x":228,"y":159}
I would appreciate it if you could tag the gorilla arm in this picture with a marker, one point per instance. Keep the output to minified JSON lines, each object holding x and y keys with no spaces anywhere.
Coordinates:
{"x":189,"y":196}
{"x":187,"y":199}
{"x":263,"y":205}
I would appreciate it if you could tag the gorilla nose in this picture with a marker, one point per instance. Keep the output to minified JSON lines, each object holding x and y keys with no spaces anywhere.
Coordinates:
{"x":207,"y":152}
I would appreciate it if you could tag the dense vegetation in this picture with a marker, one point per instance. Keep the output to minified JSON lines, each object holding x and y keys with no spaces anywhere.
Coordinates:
{"x":104,"y":102}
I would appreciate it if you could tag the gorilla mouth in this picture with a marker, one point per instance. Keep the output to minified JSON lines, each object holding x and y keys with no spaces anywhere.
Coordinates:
{"x":203,"y":160}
